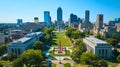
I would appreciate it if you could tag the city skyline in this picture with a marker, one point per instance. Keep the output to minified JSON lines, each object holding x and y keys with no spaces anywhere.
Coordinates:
{"x":28,"y":9}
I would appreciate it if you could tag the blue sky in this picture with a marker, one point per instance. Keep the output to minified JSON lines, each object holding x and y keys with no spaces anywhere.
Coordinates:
{"x":10,"y":10}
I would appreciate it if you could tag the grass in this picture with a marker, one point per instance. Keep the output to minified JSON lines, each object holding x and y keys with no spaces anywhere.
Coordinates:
{"x":6,"y":63}
{"x":109,"y":64}
{"x":112,"y":63}
{"x":53,"y":65}
{"x":67,"y":65}
{"x":66,"y":54}
{"x":80,"y":65}
{"x":61,"y":38}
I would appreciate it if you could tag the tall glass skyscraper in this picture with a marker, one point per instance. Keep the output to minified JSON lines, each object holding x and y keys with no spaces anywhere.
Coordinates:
{"x":19,"y":21}
{"x":87,"y":16}
{"x":47,"y":17}
{"x":59,"y":14}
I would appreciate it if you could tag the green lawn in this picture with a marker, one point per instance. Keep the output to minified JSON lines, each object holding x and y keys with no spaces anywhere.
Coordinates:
{"x":53,"y":65}
{"x":6,"y":63}
{"x":67,"y":65}
{"x":80,"y":65}
{"x":66,"y":54}
{"x":61,"y":37}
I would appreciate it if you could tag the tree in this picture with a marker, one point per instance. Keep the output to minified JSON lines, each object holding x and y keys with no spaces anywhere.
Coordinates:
{"x":2,"y":49}
{"x":29,"y":58}
{"x":103,"y":63}
{"x":82,"y":47}
{"x":116,"y":53}
{"x":76,"y":34}
{"x":98,"y":36}
{"x":38,"y":45}
{"x":116,"y":36}
{"x":106,"y":35}
{"x":1,"y":65}
{"x":118,"y":58}
{"x":87,"y":33}
{"x":69,"y":31}
{"x":77,"y":42}
{"x":112,"y":42}
{"x":11,"y":56}
{"x":48,"y":30}
{"x":18,"y":62}
{"x":76,"y":54}
{"x":87,"y":58}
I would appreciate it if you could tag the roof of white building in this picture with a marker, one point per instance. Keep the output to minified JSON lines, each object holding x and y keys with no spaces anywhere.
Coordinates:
{"x":28,"y":37}
{"x":33,"y":34}
{"x":95,"y":40}
{"x":24,"y":39}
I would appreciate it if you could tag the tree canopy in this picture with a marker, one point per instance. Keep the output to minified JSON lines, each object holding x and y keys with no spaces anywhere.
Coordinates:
{"x":87,"y":58}
{"x":112,"y":42}
{"x":80,"y":48}
{"x":29,"y":58}
{"x":73,"y":33}
{"x":69,"y":31}
{"x":116,"y":36}
{"x":98,"y":36}
{"x":38,"y":45}
{"x":11,"y":56}
{"x":1,"y":65}
{"x":118,"y":58}
{"x":2,"y":49}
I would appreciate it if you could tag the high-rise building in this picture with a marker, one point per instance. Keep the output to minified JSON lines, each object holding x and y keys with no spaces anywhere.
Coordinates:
{"x":59,"y":14}
{"x":87,"y":16}
{"x":19,"y":21}
{"x":99,"y":22}
{"x":98,"y":28}
{"x":47,"y":17}
{"x":73,"y":18}
{"x":36,"y":19}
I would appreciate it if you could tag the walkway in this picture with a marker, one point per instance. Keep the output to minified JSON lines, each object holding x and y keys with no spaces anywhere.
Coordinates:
{"x":63,"y":61}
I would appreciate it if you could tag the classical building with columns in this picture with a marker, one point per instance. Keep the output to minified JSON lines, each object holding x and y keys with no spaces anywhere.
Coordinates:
{"x":98,"y":47}
{"x":19,"y":46}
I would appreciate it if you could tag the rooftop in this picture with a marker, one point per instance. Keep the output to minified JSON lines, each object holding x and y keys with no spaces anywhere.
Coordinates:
{"x":22,"y":40}
{"x":95,"y":40}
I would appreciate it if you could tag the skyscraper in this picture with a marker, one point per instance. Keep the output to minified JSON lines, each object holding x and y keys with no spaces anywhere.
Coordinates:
{"x":19,"y":21}
{"x":99,"y":22}
{"x":59,"y":14}
{"x":73,"y":18}
{"x":87,"y":16}
{"x":47,"y":17}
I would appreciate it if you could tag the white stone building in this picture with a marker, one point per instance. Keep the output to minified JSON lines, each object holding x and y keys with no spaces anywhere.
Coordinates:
{"x":19,"y":46}
{"x":98,"y":47}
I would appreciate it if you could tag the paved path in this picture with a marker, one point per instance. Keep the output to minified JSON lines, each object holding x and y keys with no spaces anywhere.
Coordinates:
{"x":63,"y":61}
{"x":118,"y":65}
{"x":57,"y":63}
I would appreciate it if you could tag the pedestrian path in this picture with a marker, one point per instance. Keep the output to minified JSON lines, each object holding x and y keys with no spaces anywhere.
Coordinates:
{"x":58,"y":64}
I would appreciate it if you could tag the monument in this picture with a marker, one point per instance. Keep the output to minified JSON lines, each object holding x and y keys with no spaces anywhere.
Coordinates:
{"x":60,"y":48}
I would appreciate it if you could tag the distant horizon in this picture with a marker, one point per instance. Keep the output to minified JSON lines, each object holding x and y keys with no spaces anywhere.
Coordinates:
{"x":28,"y":9}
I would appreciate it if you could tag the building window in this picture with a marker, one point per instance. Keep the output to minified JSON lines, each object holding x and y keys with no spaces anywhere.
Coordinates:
{"x":15,"y":51}
{"x":102,"y":52}
{"x":19,"y":51}
{"x":12,"y":50}
{"x":99,"y":51}
{"x":106,"y":52}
